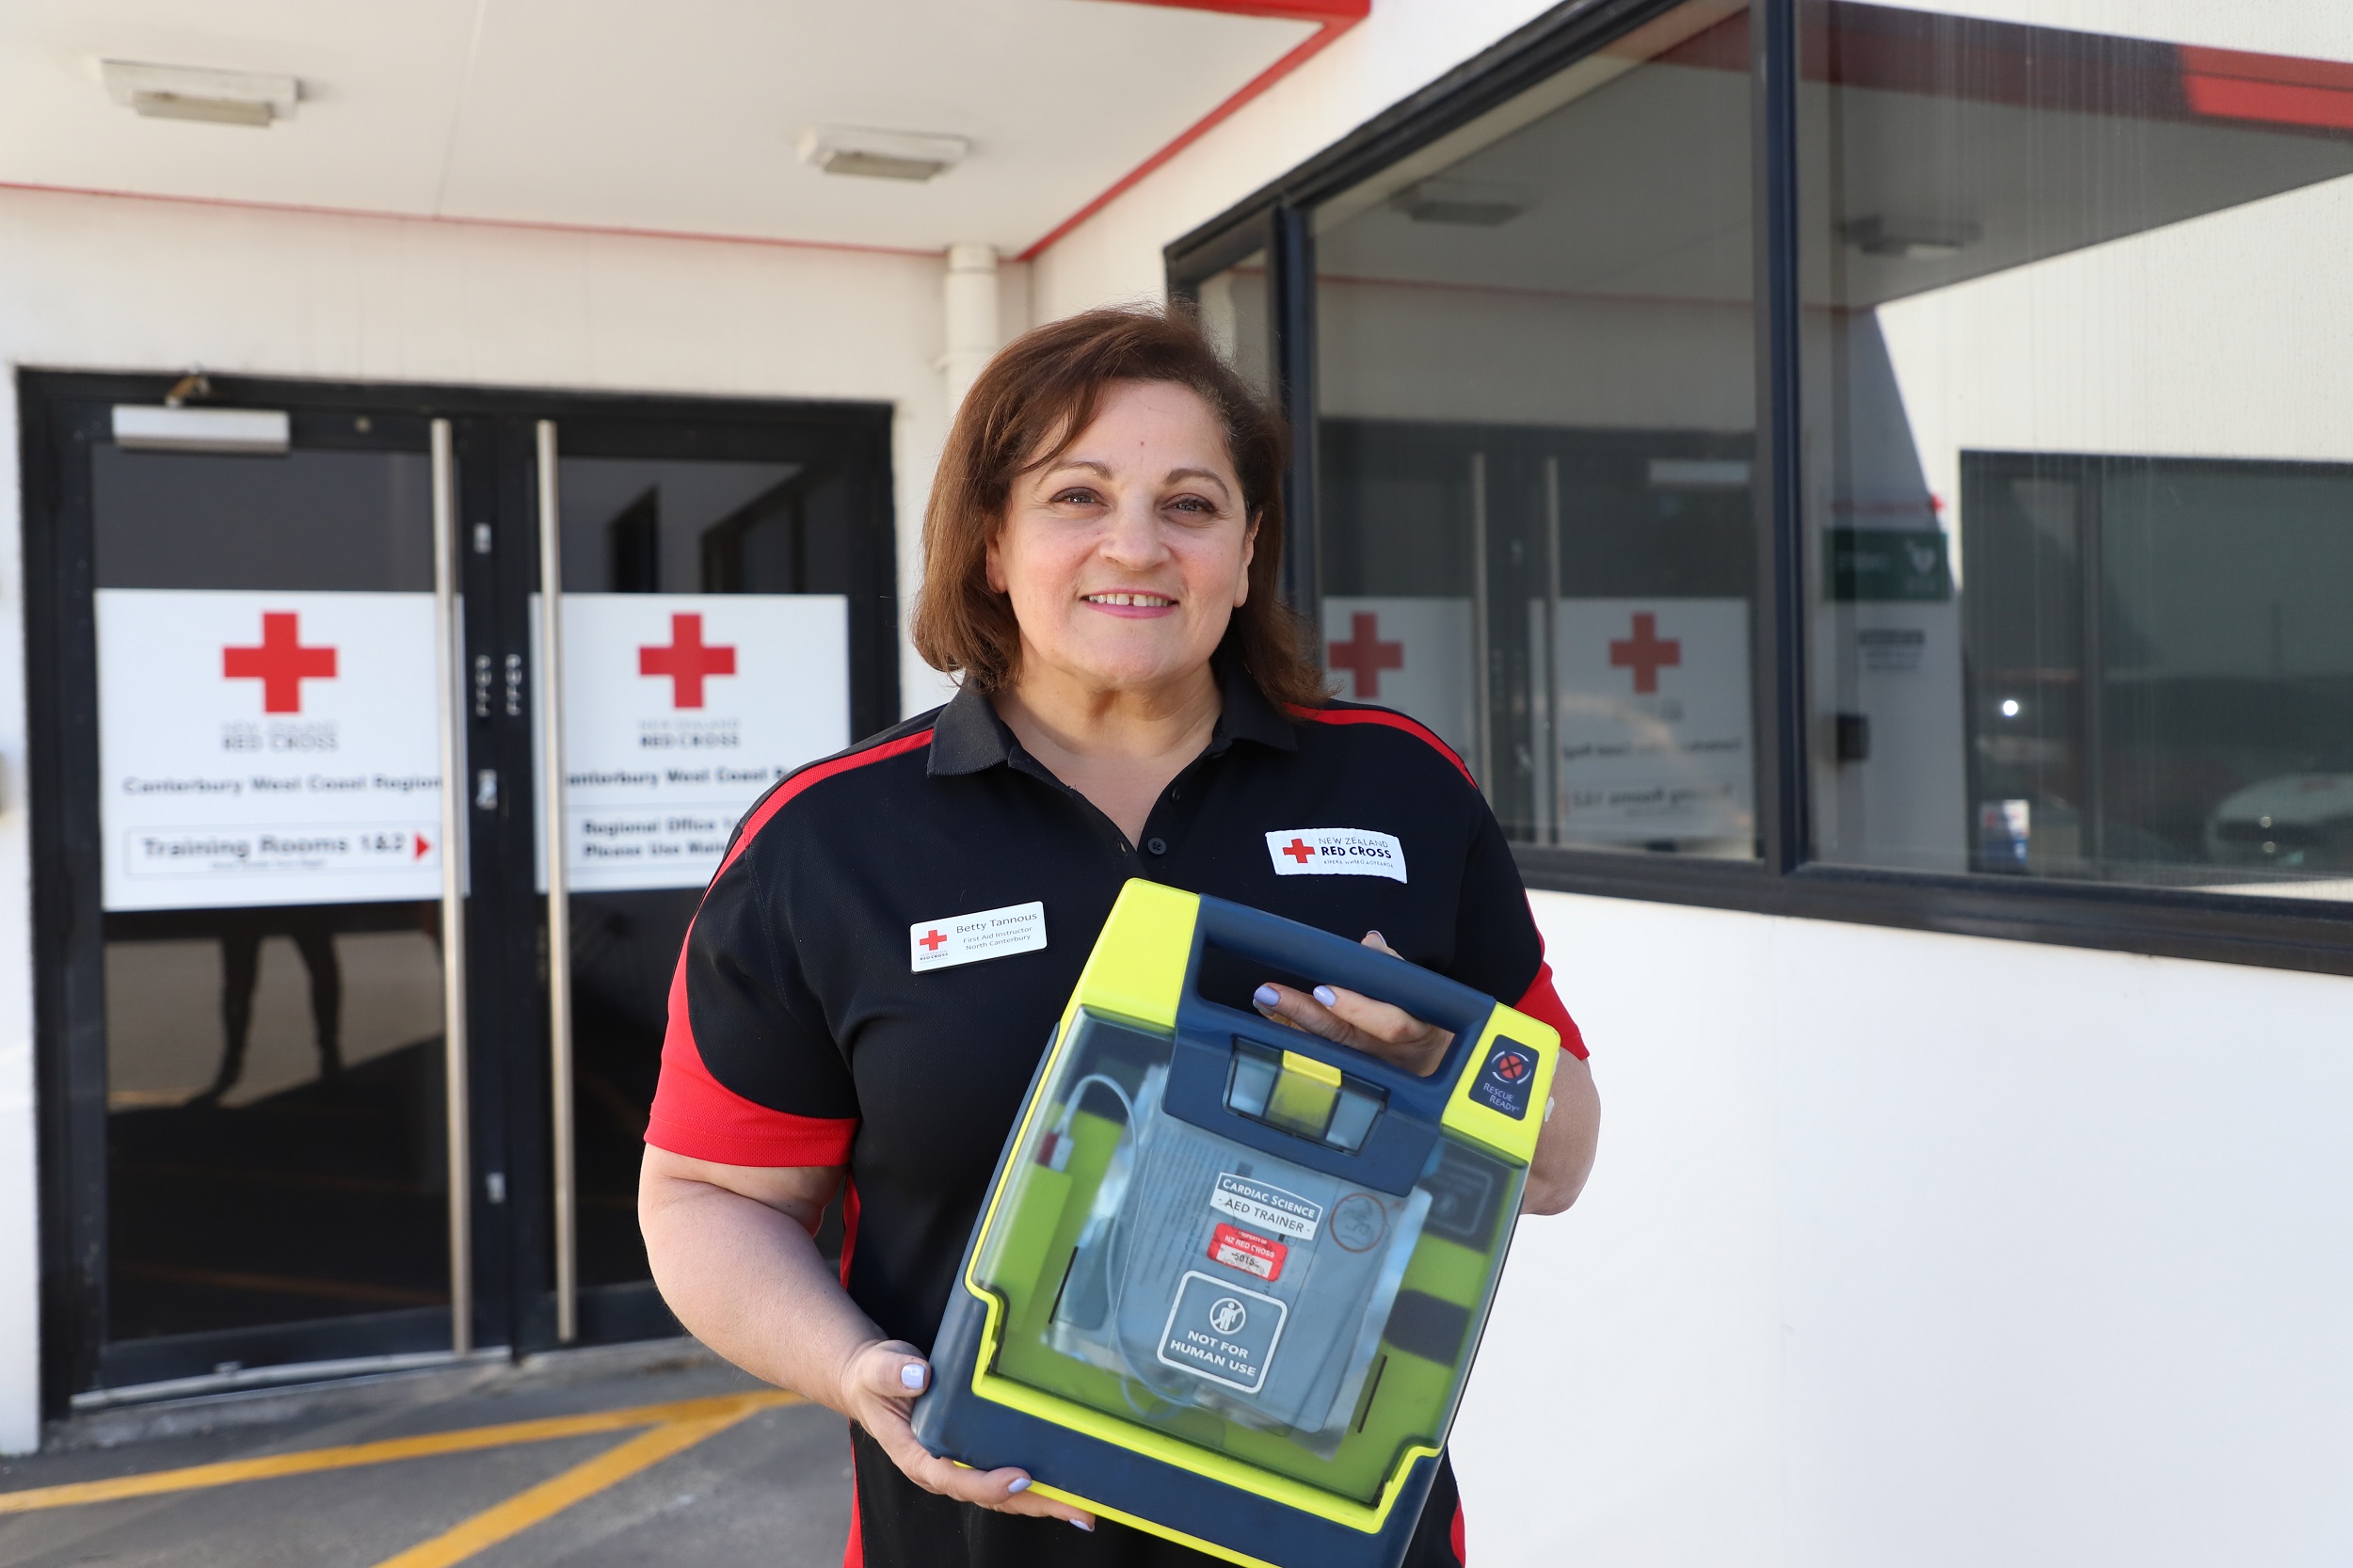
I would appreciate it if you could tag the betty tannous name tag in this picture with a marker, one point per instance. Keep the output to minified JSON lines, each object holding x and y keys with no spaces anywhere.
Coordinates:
{"x":970,"y":938}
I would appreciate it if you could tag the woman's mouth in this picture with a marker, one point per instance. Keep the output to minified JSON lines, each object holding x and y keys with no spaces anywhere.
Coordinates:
{"x":1132,"y":606}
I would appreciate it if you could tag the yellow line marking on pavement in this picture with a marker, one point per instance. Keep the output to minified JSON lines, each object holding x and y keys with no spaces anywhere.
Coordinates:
{"x":725,"y":1408}
{"x":558,"y":1492}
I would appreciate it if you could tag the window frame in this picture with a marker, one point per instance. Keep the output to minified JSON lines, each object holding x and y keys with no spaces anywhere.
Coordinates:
{"x":2309,"y":934}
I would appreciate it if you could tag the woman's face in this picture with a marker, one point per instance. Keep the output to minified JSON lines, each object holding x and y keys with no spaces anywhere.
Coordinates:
{"x":1126,"y":556}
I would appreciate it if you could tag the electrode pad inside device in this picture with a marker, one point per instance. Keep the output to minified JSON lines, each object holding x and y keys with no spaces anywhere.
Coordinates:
{"x":1229,"y":1277}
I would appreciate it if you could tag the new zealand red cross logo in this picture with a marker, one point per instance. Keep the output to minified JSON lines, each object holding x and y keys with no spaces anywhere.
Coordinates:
{"x":1645,"y":653}
{"x":933,"y":941}
{"x":1299,"y":849}
{"x":281,"y":663}
{"x":687,"y":660}
{"x":1365,"y":655}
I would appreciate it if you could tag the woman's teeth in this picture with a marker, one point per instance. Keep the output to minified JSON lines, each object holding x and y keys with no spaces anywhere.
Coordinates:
{"x":1147,"y":602}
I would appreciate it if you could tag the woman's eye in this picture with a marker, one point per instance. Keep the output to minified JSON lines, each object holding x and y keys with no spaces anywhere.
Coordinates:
{"x":1194,"y":505}
{"x":1075,"y":498}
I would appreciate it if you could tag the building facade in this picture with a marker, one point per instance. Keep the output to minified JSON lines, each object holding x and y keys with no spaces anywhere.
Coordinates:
{"x":1865,"y":486}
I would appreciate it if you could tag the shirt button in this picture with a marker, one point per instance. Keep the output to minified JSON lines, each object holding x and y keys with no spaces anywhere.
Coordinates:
{"x":1158,"y":846}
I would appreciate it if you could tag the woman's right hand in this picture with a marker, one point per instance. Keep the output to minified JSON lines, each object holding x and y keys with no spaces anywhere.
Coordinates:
{"x":879,"y":1384}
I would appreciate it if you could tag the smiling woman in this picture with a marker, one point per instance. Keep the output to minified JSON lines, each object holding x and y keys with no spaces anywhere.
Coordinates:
{"x":1101,"y":548}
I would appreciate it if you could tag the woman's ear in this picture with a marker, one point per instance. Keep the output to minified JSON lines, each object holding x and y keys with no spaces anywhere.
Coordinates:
{"x":992,"y":567}
{"x":1249,"y":554}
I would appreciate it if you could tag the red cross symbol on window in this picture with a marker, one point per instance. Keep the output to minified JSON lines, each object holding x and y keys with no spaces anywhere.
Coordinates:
{"x":1644,"y":652}
{"x":686,"y":661}
{"x":282,"y":664}
{"x":1299,"y":849}
{"x":1365,"y":655}
{"x":933,"y":941}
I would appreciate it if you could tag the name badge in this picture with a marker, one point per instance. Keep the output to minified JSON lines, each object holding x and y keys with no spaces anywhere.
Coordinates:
{"x":1335,"y":851}
{"x":970,"y":938}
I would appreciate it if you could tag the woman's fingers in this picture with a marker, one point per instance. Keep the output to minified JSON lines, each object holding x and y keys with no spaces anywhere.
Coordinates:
{"x":1006,"y":1490}
{"x":890,"y":1369}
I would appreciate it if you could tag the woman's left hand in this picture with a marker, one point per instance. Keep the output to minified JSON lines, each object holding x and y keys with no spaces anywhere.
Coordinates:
{"x":1348,"y":1018}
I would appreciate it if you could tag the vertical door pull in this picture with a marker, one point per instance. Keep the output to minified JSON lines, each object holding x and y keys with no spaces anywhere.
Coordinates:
{"x":450,"y":668}
{"x":559,"y":903}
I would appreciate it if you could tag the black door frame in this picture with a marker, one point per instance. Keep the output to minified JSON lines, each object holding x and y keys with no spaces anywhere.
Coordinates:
{"x":62,"y":414}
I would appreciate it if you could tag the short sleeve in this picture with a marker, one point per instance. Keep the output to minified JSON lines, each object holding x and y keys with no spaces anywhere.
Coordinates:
{"x":1496,"y":945}
{"x":750,"y":1075}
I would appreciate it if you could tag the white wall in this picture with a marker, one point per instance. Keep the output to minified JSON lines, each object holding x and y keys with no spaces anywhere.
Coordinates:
{"x":110,"y":284}
{"x":1403,"y":45}
{"x":1928,"y":1249}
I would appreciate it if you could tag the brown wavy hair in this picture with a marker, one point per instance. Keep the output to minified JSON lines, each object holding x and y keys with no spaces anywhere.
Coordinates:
{"x":1035,"y":398}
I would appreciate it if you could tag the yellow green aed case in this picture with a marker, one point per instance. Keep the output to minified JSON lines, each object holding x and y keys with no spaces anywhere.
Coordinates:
{"x":1229,"y":1277}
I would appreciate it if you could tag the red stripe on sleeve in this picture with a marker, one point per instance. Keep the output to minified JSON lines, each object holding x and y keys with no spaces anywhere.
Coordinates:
{"x":1387,"y":720}
{"x":696,"y":1115}
{"x":1543,"y":1005}
{"x":1454,"y":1538}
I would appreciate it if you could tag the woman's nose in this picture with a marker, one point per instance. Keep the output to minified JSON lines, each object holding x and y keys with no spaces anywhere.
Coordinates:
{"x":1133,"y":536}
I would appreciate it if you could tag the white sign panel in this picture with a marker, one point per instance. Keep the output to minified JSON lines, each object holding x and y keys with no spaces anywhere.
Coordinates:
{"x":679,"y":711}
{"x":266,"y":748}
{"x":1654,"y":726}
{"x":1410,"y":654}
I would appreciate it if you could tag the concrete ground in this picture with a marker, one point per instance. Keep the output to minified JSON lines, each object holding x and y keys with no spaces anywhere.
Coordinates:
{"x":718,"y":1474}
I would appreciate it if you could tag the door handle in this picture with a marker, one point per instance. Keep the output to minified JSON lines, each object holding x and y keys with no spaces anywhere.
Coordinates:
{"x":450,"y":667}
{"x":559,"y":902}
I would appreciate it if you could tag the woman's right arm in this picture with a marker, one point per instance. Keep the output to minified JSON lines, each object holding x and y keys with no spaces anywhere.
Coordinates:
{"x":734,"y":1252}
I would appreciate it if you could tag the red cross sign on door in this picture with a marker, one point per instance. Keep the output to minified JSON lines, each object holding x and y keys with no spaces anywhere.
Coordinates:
{"x":1365,"y":655}
{"x":686,"y":661}
{"x":1645,"y":653}
{"x":282,"y":664}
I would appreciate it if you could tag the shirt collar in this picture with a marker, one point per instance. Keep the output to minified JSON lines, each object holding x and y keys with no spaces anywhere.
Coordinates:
{"x":968,"y":737}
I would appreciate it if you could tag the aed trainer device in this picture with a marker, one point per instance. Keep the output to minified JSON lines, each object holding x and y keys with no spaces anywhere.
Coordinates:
{"x":1229,"y":1276}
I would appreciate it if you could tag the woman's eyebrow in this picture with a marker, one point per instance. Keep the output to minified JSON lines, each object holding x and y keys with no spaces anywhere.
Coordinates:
{"x":1210,"y":475}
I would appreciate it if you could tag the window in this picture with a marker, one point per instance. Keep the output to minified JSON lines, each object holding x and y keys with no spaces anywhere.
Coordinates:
{"x":1878,"y":461}
{"x":2079,"y":507}
{"x":1536,"y":415}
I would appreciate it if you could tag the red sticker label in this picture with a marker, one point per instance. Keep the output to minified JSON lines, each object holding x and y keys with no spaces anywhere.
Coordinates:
{"x":1261,"y":1256}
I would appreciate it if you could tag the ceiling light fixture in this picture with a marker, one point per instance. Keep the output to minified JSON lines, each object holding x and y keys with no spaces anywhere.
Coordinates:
{"x":1477,"y":203}
{"x":189,"y":92}
{"x":881,"y":155}
{"x":1913,"y":239}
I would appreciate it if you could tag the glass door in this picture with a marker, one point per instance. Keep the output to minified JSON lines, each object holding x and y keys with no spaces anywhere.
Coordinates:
{"x":310,"y":1099}
{"x":714,"y":600}
{"x":270,"y":631}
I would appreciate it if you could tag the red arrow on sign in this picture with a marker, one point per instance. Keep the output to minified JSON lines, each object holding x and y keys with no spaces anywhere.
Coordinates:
{"x":421,"y":846}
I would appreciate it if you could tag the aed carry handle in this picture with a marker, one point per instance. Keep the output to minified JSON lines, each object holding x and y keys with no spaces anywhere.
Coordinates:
{"x":1397,"y":1146}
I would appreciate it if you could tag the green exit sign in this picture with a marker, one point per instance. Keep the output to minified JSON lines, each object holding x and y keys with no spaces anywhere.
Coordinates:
{"x":1878,"y":565}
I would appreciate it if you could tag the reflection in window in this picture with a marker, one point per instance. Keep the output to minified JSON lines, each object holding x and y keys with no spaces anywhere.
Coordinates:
{"x":2080,"y":507}
{"x":1536,"y":389}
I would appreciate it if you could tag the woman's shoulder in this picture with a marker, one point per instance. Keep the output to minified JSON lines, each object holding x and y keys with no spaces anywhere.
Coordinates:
{"x":1384,"y":733}
{"x":843,"y":782}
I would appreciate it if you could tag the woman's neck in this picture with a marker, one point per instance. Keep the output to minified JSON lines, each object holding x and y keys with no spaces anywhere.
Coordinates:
{"x":1119,"y":747}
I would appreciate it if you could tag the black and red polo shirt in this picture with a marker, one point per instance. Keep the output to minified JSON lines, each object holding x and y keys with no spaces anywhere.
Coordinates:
{"x":802,"y":1033}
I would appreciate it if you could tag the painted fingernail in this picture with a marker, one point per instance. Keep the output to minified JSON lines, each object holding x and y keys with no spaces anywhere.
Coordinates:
{"x":1376,"y":936}
{"x":1086,"y":1525}
{"x":1266,"y":995}
{"x":911,"y":1375}
{"x":1019,"y":1483}
{"x":1327,"y":995}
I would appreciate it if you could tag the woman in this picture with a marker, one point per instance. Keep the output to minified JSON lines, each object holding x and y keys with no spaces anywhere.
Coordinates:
{"x":1102,"y":543}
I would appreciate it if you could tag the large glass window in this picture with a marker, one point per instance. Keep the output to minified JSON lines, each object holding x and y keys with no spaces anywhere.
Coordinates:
{"x":2079,"y":483}
{"x":1535,"y":375}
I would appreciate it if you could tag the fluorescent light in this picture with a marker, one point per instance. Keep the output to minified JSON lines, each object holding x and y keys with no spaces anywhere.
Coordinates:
{"x":258,"y":432}
{"x":881,"y":155}
{"x":191,"y":92}
{"x":1913,"y":239}
{"x":1476,"y":203}
{"x":1699,"y":473}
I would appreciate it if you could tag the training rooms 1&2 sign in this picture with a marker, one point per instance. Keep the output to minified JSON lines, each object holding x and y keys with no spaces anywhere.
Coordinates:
{"x":266,"y":748}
